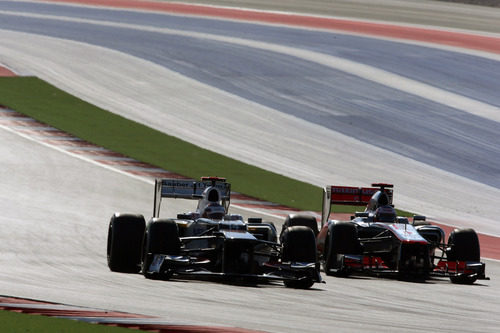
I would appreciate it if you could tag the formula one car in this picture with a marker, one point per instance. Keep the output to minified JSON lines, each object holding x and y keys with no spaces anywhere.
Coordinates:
{"x":380,"y":242}
{"x":209,"y":242}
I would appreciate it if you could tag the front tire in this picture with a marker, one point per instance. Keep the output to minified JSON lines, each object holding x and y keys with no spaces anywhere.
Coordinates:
{"x":162,"y":237}
{"x":299,"y":245}
{"x":463,"y":246}
{"x":301,"y":220}
{"x":125,"y":233}
{"x":342,"y":238}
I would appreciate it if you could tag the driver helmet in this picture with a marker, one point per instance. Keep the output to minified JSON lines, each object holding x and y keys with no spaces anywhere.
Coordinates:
{"x":214,"y":211}
{"x":385,"y":214}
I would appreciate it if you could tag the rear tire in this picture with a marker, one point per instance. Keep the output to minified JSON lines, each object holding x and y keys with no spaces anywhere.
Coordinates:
{"x":300,"y":220}
{"x":162,"y":237}
{"x":419,"y":223}
{"x":342,"y":238}
{"x":463,"y":246}
{"x":299,"y":245}
{"x":125,"y":234}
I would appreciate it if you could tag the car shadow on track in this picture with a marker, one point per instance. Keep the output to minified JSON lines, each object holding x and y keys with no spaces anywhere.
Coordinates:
{"x":238,"y":282}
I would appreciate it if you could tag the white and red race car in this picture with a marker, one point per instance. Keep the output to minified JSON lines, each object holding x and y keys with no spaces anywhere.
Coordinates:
{"x":378,"y":241}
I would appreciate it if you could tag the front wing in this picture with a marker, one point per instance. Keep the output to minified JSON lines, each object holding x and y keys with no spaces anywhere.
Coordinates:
{"x":165,"y":266}
{"x":460,"y":268}
{"x":444,"y":268}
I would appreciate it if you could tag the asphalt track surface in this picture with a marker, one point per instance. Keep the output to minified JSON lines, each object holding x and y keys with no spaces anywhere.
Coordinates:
{"x":54,"y":220}
{"x":53,"y":247}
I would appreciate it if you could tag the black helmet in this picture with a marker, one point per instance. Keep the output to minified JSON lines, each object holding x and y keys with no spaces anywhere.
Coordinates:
{"x":385,"y":214}
{"x":214,"y":211}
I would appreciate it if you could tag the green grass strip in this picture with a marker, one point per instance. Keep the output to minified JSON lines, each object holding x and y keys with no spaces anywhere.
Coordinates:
{"x":14,"y":322}
{"x":48,"y":104}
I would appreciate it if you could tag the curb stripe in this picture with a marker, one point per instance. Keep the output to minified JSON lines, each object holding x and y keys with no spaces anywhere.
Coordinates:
{"x":473,"y":41}
{"x":109,"y":318}
{"x":5,"y":72}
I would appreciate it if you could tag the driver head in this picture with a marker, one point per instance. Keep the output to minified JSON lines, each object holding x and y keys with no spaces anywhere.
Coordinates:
{"x":385,"y":214}
{"x":214,"y":211}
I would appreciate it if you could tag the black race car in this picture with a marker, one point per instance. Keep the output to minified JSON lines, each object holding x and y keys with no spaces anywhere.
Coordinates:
{"x":209,"y":241}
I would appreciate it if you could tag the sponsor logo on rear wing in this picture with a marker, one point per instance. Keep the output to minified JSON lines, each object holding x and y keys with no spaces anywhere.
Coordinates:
{"x":347,"y":195}
{"x":192,"y":189}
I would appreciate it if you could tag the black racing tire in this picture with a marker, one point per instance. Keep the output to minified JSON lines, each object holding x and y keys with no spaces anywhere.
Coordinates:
{"x":273,"y":234}
{"x":463,"y":245}
{"x":299,"y":245}
{"x":300,"y":220}
{"x":299,"y":284}
{"x":264,"y":231}
{"x":419,"y":223}
{"x":161,"y":237}
{"x":342,"y":238}
{"x":124,"y":248}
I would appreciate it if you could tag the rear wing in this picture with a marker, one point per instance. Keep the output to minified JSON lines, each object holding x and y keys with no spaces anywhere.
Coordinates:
{"x":349,"y":195}
{"x":189,"y":189}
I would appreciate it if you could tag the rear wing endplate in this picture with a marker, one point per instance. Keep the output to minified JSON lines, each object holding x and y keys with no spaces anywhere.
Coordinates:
{"x":349,"y":195}
{"x":188,"y":189}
